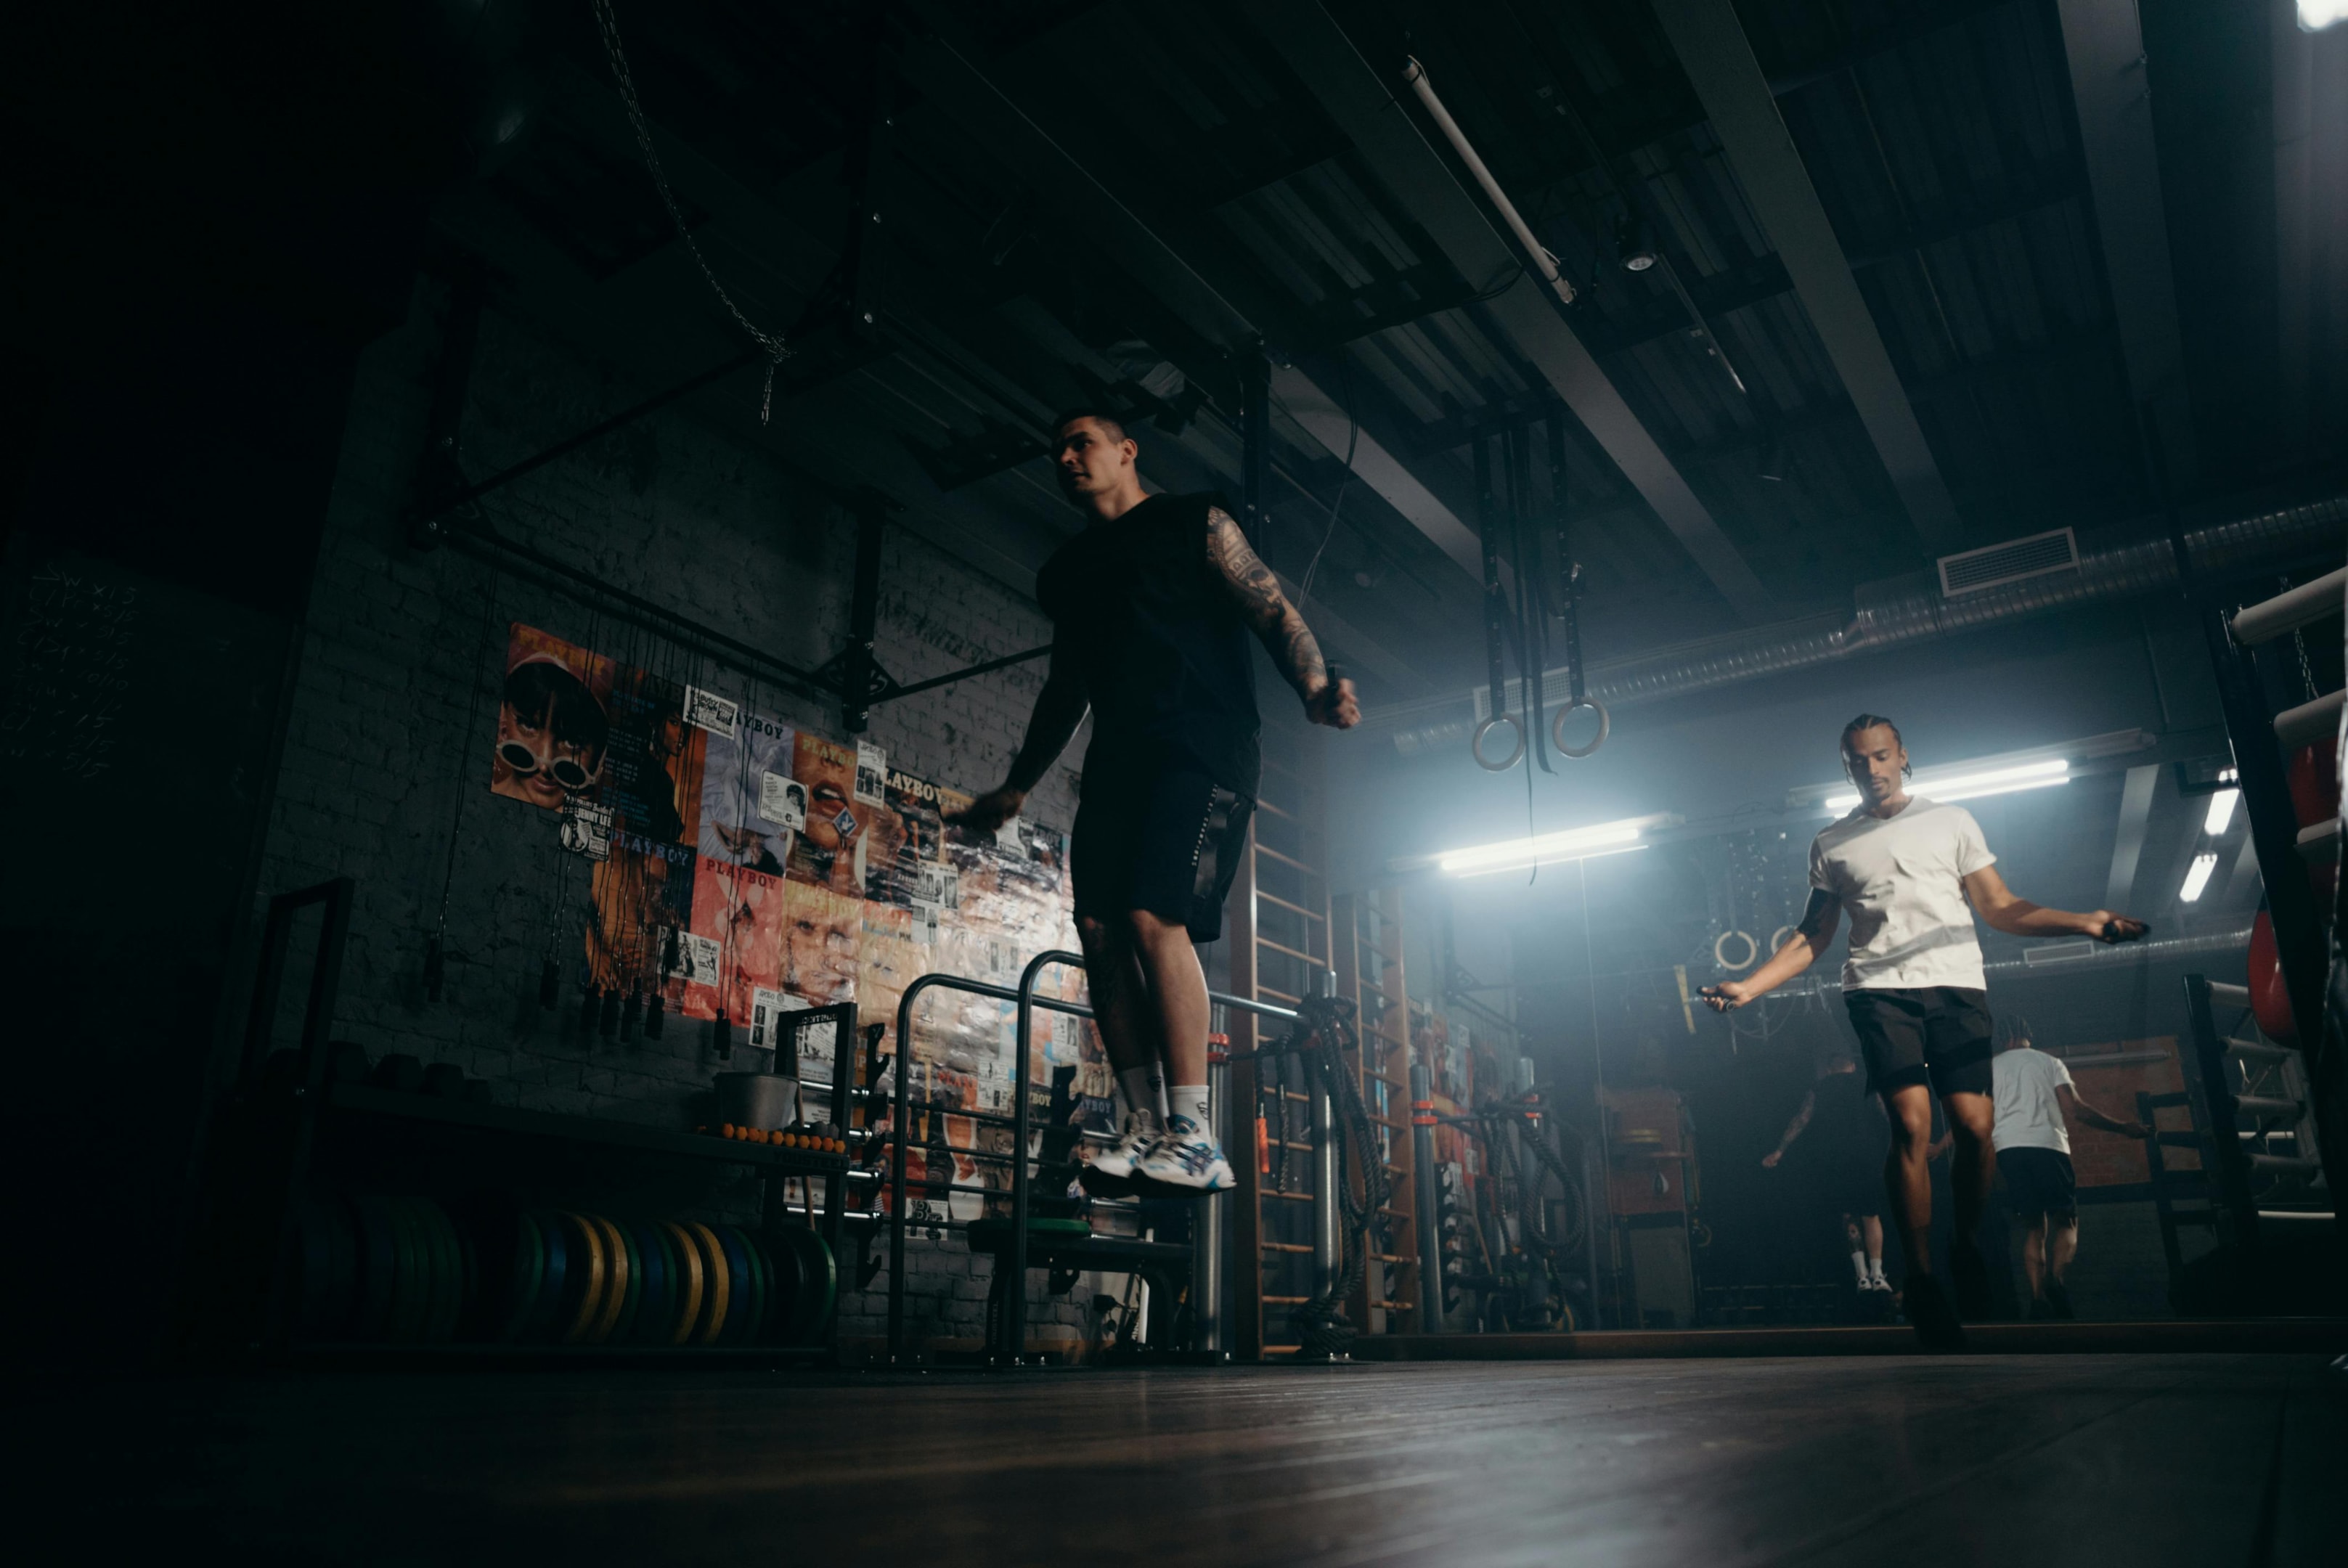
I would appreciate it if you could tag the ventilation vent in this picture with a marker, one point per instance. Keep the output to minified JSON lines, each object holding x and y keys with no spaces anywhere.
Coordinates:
{"x":1970,"y":571}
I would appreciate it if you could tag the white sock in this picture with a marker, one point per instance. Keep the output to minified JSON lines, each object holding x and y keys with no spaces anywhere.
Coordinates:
{"x":1192,"y":1100}
{"x":1144,"y":1091}
{"x":1858,"y":1262}
{"x":1875,"y":1270}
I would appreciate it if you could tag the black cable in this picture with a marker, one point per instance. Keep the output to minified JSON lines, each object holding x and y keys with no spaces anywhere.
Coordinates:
{"x":1352,"y":444}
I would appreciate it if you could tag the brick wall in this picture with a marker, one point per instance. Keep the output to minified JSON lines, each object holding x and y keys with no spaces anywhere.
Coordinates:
{"x":385,"y":761}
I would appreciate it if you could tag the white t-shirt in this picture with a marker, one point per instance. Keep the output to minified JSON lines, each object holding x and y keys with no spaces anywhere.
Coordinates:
{"x":1899,"y":882}
{"x":2028,"y":1114}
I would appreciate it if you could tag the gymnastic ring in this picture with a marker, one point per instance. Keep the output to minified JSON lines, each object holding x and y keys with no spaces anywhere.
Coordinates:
{"x":1752,"y":950}
{"x":1476,"y":744}
{"x":1777,"y":937}
{"x":1557,"y":727}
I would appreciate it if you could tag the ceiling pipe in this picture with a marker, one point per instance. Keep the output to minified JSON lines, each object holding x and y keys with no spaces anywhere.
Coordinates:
{"x":1911,"y":614}
{"x":1416,"y":75}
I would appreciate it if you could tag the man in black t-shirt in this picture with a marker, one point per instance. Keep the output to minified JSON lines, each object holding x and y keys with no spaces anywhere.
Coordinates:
{"x":1152,"y":607}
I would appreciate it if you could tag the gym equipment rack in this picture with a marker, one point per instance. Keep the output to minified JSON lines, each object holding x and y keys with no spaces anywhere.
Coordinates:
{"x":312,"y":1107}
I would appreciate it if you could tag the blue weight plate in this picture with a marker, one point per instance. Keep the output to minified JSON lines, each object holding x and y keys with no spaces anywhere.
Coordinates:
{"x":739,"y":1299}
{"x":552,"y":1280}
{"x":654,"y":1314}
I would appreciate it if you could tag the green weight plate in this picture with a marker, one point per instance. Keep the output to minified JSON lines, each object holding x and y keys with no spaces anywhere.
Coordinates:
{"x":811,"y":1314}
{"x":406,"y":1323}
{"x":783,"y":1269}
{"x":343,"y":1270}
{"x":650,"y":1314}
{"x":378,"y":1268}
{"x":448,"y":1299}
{"x":770,"y":1285}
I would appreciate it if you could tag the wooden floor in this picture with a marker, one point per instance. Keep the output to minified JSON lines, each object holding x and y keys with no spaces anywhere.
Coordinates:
{"x":2135,"y":1460}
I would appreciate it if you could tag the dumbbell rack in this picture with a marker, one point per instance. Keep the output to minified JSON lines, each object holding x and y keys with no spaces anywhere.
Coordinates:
{"x":316,"y":1108}
{"x":2262,"y":741}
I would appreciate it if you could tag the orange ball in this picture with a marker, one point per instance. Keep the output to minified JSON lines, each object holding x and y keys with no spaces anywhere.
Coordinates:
{"x":728,"y":1130}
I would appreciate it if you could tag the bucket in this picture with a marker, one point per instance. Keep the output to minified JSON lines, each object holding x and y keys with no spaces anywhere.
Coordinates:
{"x":765,"y":1100}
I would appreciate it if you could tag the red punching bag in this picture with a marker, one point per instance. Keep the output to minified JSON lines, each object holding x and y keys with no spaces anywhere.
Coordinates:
{"x":2314,"y":781}
{"x":2270,"y":998}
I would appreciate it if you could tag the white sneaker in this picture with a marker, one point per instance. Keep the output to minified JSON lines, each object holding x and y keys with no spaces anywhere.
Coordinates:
{"x":1118,"y":1159}
{"x":1186,"y":1155}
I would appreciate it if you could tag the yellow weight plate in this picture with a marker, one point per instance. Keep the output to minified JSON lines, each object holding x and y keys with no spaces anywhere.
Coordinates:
{"x":720,"y":1293}
{"x":690,"y":1282}
{"x":588,"y":1237}
{"x":615,"y":1294}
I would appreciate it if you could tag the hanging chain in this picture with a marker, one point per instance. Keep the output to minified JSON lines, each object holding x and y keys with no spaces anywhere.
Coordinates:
{"x":2299,"y":641}
{"x":773,"y":348}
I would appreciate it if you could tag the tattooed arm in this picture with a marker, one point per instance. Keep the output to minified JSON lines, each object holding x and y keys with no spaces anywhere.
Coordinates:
{"x":1275,"y":622}
{"x":1060,"y":707}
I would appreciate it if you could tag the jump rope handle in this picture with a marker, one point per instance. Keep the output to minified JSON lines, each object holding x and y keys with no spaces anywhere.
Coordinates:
{"x":2112,"y":933}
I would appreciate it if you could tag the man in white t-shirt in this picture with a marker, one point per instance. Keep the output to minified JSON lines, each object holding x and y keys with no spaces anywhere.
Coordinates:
{"x":1912,"y":875}
{"x":2035,"y":1100}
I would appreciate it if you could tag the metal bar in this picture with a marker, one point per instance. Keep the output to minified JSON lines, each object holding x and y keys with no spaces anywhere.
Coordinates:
{"x":2309,"y":723}
{"x":1328,"y":1246}
{"x":442,"y":506}
{"x":2289,"y":610}
{"x":1426,"y":1198}
{"x":989,"y":668}
{"x":1013,"y":1322}
{"x":1206,"y":1257}
{"x":1495,"y":607}
{"x":856,"y":666}
{"x":2223,"y":1150}
{"x":481,"y":539}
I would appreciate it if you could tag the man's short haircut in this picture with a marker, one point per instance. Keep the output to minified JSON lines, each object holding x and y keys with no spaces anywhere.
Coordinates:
{"x":2013,"y":1029}
{"x":1869,"y":722}
{"x":1111,"y":426}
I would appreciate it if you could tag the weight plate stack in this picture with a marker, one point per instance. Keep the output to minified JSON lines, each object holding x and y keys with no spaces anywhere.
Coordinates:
{"x":696,"y":1284}
{"x":652,"y":1318}
{"x":783,"y":1271}
{"x":544,"y":1322}
{"x":745,"y":1290}
{"x":618,"y":1280}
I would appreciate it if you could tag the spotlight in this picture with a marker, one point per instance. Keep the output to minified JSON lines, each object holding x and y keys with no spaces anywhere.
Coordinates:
{"x":2197,"y":876}
{"x":1568,"y":844}
{"x":2221,"y":812}
{"x":1950,"y":788}
{"x":2314,"y":15}
{"x":1631,"y":245}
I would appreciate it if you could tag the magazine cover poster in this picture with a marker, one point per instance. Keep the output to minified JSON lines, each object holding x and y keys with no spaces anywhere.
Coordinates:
{"x":913,"y":832}
{"x":735,"y":795}
{"x":887,"y":960}
{"x":554,"y":722}
{"x":643,"y":891}
{"x":738,"y":922}
{"x":652,"y":779}
{"x":831,"y":852}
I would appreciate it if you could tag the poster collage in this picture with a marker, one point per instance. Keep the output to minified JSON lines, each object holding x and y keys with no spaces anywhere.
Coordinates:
{"x":746,"y":867}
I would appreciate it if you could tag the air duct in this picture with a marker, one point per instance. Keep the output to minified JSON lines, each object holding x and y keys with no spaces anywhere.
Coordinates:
{"x":1910,"y":614}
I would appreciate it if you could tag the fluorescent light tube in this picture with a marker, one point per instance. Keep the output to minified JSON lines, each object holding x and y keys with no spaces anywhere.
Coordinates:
{"x":2197,"y":876}
{"x":2221,"y":811}
{"x":2314,"y":15}
{"x":1570,"y":843}
{"x":1950,"y":788}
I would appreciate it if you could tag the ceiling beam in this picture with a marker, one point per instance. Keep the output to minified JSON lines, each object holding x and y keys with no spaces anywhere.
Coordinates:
{"x":1718,"y":58}
{"x":2108,"y":88}
{"x":1357,"y":98}
{"x":2127,"y":846}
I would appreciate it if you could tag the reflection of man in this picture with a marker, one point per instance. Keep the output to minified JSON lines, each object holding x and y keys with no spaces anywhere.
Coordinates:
{"x":1847,"y":1142}
{"x":2035,"y":1100}
{"x":1152,"y":607}
{"x":1913,"y":874}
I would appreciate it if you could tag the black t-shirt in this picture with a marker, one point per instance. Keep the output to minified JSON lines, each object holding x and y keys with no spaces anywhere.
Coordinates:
{"x":1159,"y":643}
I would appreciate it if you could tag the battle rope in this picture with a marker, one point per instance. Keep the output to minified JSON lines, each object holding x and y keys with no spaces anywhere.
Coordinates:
{"x":1323,"y":1033}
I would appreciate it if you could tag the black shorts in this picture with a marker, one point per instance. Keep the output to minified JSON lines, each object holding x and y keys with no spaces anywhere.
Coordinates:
{"x":1169,"y":842}
{"x":1923,"y":1034}
{"x":2039,"y":1180}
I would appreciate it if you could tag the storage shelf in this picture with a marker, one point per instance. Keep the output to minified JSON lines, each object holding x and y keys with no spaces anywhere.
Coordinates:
{"x":366,"y":1099}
